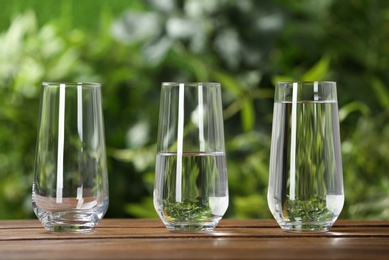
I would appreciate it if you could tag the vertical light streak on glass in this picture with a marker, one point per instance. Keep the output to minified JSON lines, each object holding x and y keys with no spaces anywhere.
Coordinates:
{"x":180,"y":139}
{"x":201,"y":118}
{"x":315,"y":97}
{"x":61,"y":135}
{"x":80,"y":134}
{"x":316,"y":91}
{"x":79,"y":112}
{"x":293,"y":143}
{"x":80,"y":197}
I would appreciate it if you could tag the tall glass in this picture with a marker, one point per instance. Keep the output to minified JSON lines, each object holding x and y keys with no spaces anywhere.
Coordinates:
{"x":191,"y":187}
{"x":70,"y":188}
{"x":306,"y":181}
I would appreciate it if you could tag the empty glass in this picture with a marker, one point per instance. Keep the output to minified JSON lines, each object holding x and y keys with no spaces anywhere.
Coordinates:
{"x":306,"y":181}
{"x":70,"y":188}
{"x":191,"y":187}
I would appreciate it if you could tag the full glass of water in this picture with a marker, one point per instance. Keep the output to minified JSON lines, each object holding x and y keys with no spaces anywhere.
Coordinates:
{"x":70,"y":187}
{"x":191,"y":186}
{"x":305,"y":190}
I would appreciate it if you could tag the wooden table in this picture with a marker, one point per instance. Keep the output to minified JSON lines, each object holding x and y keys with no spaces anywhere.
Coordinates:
{"x":232,"y":239}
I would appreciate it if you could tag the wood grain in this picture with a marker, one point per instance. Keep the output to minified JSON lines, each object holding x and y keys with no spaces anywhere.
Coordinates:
{"x":232,"y":239}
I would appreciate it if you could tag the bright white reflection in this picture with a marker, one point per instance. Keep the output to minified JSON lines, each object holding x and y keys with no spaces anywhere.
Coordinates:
{"x":61,"y":129}
{"x":180,"y":139}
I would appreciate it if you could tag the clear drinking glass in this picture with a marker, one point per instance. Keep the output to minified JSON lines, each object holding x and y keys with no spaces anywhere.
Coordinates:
{"x":191,"y":186}
{"x":70,"y":188}
{"x":306,"y":181}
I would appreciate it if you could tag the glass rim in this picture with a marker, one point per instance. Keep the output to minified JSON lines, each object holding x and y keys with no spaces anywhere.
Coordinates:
{"x":306,"y":82}
{"x":68,"y":84}
{"x":289,"y":91}
{"x":190,"y":83}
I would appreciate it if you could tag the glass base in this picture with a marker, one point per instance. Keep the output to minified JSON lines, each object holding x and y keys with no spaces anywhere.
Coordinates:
{"x":70,"y":227}
{"x":207,"y":226}
{"x":190,"y":227}
{"x":306,"y":226}
{"x":69,"y":221}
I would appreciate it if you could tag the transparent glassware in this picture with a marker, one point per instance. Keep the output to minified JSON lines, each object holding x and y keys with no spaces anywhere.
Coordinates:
{"x":305,"y":190}
{"x":191,"y":186}
{"x":70,"y":187}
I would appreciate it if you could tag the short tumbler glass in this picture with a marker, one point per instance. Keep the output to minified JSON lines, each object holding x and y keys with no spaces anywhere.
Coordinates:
{"x":70,"y":188}
{"x":305,"y":190}
{"x":191,"y":187}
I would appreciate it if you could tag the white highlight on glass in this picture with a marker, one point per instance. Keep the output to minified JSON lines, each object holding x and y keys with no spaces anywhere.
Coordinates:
{"x":200,"y":118}
{"x":79,"y":112}
{"x":80,"y":197}
{"x":180,"y":139}
{"x":61,"y":135}
{"x":80,"y":133}
{"x":316,"y":91}
{"x":293,"y":143}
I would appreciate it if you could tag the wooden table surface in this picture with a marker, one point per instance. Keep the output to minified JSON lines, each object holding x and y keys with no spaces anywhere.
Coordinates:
{"x":232,"y":239}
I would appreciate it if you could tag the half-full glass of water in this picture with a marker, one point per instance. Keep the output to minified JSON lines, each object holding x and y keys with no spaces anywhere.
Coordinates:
{"x":70,"y":188}
{"x":191,"y":187}
{"x":305,"y":190}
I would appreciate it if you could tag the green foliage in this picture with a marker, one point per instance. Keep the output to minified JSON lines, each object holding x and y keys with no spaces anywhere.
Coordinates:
{"x":364,"y":163}
{"x":244,"y":45}
{"x":381,"y":92}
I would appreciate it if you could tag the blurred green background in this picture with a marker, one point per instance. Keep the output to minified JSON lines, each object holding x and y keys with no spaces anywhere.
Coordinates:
{"x":246,"y":45}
